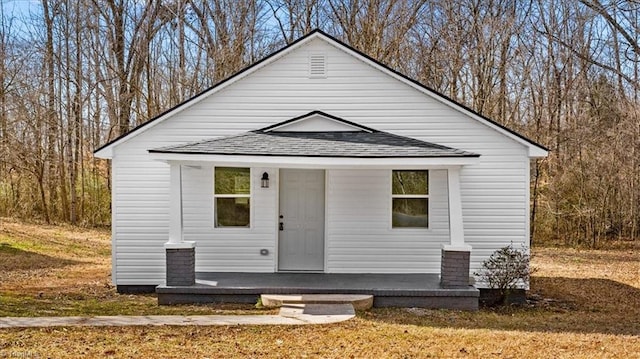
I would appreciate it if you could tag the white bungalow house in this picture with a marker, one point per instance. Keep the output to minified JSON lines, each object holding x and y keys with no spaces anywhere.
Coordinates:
{"x":317,"y":159}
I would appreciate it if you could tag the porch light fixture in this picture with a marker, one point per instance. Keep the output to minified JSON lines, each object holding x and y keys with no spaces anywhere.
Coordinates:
{"x":264,"y":182}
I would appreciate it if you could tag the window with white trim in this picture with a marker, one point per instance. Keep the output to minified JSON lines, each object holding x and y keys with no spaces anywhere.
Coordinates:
{"x":232,"y":196}
{"x":409,"y":199}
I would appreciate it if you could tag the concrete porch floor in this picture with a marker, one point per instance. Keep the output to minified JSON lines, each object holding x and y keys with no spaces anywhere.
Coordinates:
{"x":389,"y":290}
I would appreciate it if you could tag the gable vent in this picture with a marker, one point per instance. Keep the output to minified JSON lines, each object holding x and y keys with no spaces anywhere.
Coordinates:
{"x":317,"y":65}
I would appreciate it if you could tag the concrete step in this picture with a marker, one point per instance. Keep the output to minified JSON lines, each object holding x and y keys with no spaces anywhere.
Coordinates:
{"x":318,"y":313}
{"x":359,"y":301}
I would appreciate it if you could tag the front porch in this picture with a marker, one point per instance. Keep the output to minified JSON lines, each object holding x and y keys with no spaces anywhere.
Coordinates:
{"x":389,"y":290}
{"x":311,"y":195}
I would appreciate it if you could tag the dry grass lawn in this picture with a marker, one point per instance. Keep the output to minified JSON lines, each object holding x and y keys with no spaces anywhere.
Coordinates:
{"x":63,"y":270}
{"x":591,"y":309}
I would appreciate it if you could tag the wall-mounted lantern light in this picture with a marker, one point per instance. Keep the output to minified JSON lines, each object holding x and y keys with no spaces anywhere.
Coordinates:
{"x":264,"y":182}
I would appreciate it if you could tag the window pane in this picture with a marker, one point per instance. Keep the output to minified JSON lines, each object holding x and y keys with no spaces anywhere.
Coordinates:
{"x":232,"y":212}
{"x":232,"y":180}
{"x":410,"y":212}
{"x":410,"y":182}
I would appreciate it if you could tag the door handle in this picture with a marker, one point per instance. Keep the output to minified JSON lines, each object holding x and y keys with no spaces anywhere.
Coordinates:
{"x":281,"y":226}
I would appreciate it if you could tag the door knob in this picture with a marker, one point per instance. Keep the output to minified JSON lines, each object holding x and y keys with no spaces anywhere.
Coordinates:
{"x":281,"y":226}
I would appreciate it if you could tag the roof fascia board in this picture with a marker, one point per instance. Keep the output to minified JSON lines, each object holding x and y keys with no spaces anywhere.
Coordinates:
{"x":106,"y":151}
{"x":538,"y":151}
{"x":316,"y":113}
{"x":318,"y":162}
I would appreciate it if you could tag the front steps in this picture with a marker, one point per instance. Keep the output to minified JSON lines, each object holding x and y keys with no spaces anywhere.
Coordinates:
{"x":358,"y":301}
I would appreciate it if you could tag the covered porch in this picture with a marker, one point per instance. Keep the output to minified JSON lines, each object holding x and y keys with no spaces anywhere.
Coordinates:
{"x":358,"y":251}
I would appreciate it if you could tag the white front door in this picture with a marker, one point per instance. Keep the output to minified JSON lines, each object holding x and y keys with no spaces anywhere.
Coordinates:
{"x":301,"y":240}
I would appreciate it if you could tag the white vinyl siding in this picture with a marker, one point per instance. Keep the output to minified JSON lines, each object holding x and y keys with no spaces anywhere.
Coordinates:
{"x":359,"y":238}
{"x":229,"y":249}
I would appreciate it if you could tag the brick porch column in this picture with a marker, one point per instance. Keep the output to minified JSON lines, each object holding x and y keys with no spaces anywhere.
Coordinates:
{"x":180,"y":255}
{"x":181,"y":264}
{"x":454,"y":265}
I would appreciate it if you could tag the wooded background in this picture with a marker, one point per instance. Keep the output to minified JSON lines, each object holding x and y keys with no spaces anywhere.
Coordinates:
{"x":76,"y":73}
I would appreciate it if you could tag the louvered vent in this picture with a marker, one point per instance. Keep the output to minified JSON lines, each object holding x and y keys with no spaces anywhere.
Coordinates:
{"x":317,"y":65}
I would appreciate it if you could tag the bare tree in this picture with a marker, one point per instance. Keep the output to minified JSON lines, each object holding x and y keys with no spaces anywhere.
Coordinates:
{"x":77,"y":73}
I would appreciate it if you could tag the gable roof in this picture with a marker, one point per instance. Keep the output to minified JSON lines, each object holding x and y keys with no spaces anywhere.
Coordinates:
{"x":535,"y":149}
{"x":362,"y":143}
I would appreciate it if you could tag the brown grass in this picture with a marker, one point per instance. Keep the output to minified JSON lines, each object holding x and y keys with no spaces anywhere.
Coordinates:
{"x":64,"y":270}
{"x":590,"y":308}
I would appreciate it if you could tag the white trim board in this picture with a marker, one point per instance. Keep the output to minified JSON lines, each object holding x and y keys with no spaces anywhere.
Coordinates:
{"x":317,"y":162}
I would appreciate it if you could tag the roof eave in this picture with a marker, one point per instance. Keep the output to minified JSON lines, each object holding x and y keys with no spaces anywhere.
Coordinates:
{"x":316,"y":162}
{"x":105,"y":152}
{"x":538,"y":152}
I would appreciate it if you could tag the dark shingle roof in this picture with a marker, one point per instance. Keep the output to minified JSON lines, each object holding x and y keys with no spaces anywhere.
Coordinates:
{"x":359,"y":144}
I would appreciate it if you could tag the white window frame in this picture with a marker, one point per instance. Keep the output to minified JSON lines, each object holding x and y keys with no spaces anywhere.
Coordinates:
{"x":249,"y":196}
{"x":401,"y":196}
